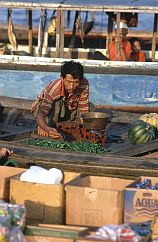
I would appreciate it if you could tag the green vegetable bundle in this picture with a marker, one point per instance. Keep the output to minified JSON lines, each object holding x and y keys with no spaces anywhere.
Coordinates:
{"x":84,"y":146}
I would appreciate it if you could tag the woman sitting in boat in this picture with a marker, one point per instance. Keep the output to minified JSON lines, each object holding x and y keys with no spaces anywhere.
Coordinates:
{"x":62,"y":100}
{"x":124,"y":45}
{"x":137,"y":54}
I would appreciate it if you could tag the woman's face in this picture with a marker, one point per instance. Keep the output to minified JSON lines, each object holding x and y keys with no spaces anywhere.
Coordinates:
{"x":70,"y":83}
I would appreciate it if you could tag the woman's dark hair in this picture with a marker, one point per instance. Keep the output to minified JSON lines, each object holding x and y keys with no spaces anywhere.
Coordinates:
{"x":75,"y":69}
{"x":132,"y":40}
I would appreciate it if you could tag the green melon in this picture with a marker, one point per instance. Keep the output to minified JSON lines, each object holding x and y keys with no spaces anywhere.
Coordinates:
{"x":141,"y":132}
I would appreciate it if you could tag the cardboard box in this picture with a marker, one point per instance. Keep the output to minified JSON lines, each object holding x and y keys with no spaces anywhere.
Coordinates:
{"x":44,"y":203}
{"x":140,"y":204}
{"x":95,"y":201}
{"x":6,"y":173}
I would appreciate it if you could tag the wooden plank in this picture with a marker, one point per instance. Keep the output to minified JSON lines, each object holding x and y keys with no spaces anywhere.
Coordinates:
{"x":56,"y":231}
{"x":58,"y":34}
{"x":10,"y":128}
{"x":90,"y":66}
{"x":78,"y":229}
{"x":19,"y":103}
{"x":107,"y":165}
{"x":18,"y":134}
{"x":62,"y":34}
{"x":136,"y":150}
{"x":132,"y":109}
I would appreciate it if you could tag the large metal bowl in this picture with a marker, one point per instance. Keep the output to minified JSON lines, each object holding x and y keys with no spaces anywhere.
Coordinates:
{"x":94,"y":120}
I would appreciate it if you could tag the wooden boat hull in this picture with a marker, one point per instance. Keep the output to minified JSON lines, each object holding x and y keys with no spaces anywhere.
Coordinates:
{"x":123,"y":160}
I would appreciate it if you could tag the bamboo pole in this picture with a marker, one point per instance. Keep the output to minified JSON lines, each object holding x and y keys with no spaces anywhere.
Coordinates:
{"x":30,"y":32}
{"x":58,"y":33}
{"x":154,"y":36}
{"x":61,"y":34}
{"x":118,"y":36}
{"x":109,"y":35}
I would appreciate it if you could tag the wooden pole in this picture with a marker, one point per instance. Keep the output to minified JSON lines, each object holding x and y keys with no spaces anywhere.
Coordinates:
{"x":154,"y":36}
{"x":30,"y":32}
{"x":61,"y":34}
{"x":109,"y":35}
{"x":118,"y":36}
{"x":58,"y":33}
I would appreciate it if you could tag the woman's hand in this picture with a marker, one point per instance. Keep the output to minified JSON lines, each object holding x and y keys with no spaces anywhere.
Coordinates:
{"x":5,"y":152}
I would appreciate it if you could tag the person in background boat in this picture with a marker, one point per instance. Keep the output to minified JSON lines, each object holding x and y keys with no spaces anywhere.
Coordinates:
{"x":137,"y":54}
{"x":124,"y":44}
{"x":62,"y":100}
{"x":5,"y":152}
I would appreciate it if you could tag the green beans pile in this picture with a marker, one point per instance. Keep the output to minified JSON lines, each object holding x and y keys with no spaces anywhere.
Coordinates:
{"x":84,"y":146}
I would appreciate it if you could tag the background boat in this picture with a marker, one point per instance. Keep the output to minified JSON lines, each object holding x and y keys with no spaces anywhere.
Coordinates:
{"x":97,"y":38}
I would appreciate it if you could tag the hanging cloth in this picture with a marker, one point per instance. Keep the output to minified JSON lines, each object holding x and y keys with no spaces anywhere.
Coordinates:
{"x":42,"y":30}
{"x":11,"y":33}
{"x":87,"y":26}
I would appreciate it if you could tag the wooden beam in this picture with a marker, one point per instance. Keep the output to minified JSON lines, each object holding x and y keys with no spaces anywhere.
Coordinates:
{"x":118,"y":36}
{"x":133,"y":109}
{"x":58,"y":34}
{"x":154,"y":36}
{"x":109,"y":35}
{"x":107,"y":165}
{"x":30,"y":32}
{"x":62,"y":34}
{"x":18,"y":103}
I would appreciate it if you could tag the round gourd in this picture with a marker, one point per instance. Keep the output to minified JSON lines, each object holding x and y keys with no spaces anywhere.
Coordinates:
{"x":151,"y":118}
{"x":141,"y":132}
